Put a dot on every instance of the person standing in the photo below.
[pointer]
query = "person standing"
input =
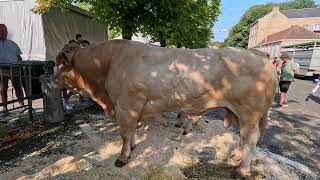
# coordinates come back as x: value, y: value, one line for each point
x: 288, y: 70
x: 9, y: 53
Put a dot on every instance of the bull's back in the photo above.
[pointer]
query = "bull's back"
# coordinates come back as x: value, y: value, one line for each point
x: 180, y: 77
x: 200, y: 70
x: 191, y: 78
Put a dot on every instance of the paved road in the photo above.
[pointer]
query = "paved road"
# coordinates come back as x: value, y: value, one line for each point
x: 294, y: 132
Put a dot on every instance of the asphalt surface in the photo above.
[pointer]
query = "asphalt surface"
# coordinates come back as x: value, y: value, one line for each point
x: 294, y: 131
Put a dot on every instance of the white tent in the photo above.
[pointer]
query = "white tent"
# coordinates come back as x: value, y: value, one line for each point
x: 40, y: 37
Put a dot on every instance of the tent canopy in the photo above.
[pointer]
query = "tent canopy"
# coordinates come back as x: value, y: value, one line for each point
x: 40, y: 37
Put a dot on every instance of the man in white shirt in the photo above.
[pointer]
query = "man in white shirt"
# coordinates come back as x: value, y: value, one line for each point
x: 9, y: 53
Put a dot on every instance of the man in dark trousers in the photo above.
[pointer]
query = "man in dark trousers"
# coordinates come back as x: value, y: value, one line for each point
x: 9, y: 53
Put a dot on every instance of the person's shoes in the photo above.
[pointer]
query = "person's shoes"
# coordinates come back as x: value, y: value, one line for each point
x: 285, y: 105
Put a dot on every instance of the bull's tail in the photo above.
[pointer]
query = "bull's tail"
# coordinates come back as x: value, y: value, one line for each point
x: 263, y: 123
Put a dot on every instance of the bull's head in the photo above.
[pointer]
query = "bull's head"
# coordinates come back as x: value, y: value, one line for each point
x: 65, y: 76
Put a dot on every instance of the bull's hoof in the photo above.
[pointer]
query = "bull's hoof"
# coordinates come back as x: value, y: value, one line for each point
x: 120, y: 163
x: 185, y: 133
x: 242, y: 173
x: 178, y: 125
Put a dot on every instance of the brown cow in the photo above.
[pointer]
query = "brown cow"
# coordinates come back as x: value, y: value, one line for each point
x: 131, y: 79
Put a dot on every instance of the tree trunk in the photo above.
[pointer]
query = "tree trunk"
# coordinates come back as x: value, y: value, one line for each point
x: 163, y: 42
x: 127, y: 33
x: 179, y: 45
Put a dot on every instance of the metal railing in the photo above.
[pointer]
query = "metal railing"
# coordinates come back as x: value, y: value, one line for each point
x: 29, y: 75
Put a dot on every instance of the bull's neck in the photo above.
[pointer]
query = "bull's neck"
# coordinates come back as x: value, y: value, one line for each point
x: 92, y: 74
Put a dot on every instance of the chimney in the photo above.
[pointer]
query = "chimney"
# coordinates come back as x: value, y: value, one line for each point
x: 276, y: 8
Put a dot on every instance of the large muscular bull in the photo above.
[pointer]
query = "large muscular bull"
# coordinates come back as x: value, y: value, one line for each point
x: 131, y: 79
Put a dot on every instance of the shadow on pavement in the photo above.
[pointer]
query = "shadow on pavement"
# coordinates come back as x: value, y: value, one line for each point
x: 313, y: 98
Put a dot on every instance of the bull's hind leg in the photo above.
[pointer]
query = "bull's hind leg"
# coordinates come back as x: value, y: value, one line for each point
x: 133, y: 140
x: 249, y: 134
x: 127, y: 116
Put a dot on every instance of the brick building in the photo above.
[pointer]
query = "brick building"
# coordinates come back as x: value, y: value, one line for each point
x: 278, y: 20
x: 295, y: 34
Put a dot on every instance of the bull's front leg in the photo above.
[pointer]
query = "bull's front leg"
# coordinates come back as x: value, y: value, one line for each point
x: 127, y: 116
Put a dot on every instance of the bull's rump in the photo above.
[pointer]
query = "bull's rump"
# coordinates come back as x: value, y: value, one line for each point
x: 194, y: 80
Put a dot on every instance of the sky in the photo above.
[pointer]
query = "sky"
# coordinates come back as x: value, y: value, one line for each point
x: 232, y: 10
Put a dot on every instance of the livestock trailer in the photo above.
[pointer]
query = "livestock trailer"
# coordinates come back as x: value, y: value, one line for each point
x: 307, y: 55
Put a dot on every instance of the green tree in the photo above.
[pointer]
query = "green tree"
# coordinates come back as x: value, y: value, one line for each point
x: 217, y: 44
x: 238, y: 35
x: 185, y: 23
x: 180, y: 23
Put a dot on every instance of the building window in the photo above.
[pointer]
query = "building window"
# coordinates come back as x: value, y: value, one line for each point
x: 317, y: 27
x: 307, y: 26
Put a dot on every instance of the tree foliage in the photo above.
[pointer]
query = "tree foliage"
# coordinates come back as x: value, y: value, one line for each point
x: 184, y: 23
x: 238, y: 35
x: 178, y: 23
